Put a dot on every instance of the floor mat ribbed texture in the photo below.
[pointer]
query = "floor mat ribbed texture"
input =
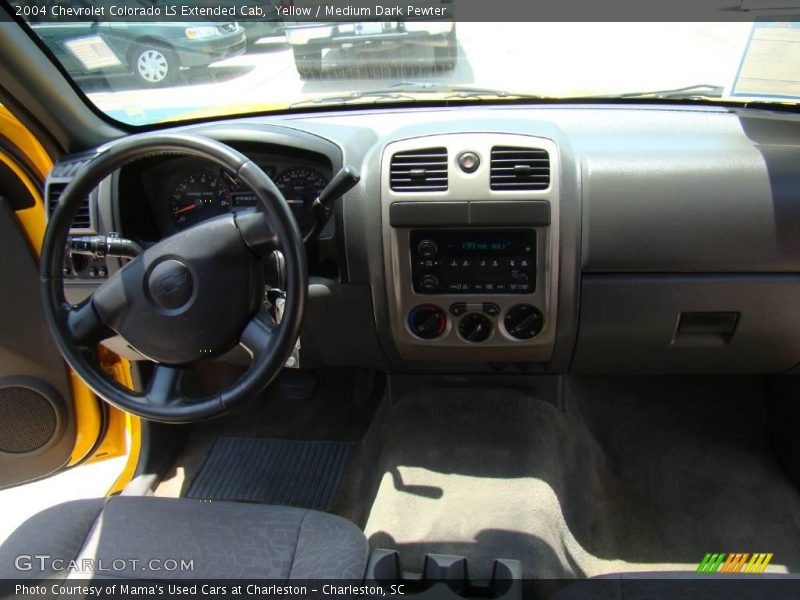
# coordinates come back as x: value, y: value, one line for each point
x: 305, y: 474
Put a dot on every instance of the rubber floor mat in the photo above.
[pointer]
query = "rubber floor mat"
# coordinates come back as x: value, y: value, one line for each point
x: 286, y: 472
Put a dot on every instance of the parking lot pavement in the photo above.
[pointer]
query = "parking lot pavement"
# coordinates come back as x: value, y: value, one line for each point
x: 559, y: 59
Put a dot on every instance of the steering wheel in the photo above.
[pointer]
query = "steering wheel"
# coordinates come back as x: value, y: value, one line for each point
x: 190, y: 297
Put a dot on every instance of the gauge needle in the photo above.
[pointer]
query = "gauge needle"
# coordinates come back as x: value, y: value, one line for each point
x: 185, y: 209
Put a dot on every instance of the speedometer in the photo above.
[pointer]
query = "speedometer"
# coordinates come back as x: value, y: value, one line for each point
x: 200, y: 195
x: 300, y: 186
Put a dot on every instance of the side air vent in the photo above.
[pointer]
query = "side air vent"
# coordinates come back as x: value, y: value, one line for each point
x: 419, y: 170
x: 519, y: 169
x: 83, y: 218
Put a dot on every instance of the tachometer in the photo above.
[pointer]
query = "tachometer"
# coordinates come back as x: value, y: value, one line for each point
x: 300, y: 185
x: 200, y: 195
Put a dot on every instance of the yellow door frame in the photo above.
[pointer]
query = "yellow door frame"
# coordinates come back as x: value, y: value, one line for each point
x: 123, y: 431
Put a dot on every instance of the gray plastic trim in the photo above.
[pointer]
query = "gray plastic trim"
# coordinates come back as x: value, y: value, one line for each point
x: 629, y: 324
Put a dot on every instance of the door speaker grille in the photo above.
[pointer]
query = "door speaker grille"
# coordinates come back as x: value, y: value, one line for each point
x: 28, y: 420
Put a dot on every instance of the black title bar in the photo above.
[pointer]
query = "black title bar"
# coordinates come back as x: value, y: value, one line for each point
x: 311, y: 11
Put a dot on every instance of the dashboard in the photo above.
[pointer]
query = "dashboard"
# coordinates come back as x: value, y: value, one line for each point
x: 182, y: 192
x: 588, y: 239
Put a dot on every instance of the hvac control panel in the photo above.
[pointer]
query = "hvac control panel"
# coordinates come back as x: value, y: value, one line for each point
x: 473, y: 261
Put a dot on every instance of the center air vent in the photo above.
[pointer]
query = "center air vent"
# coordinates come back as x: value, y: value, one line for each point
x: 419, y: 170
x: 519, y: 169
x: 83, y: 218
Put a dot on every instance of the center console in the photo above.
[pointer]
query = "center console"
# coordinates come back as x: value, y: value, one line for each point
x: 470, y: 230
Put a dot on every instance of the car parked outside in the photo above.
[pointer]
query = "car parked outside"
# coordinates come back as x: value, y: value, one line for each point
x: 309, y: 39
x: 154, y: 53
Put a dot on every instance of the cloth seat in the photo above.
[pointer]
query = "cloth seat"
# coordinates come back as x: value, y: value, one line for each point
x: 137, y: 537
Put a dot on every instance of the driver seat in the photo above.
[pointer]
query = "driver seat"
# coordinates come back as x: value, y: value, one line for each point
x: 135, y: 537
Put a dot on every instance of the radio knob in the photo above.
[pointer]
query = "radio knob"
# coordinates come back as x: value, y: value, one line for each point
x: 427, y: 249
x: 429, y: 282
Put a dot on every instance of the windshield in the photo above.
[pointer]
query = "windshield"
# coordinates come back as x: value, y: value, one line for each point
x: 147, y: 72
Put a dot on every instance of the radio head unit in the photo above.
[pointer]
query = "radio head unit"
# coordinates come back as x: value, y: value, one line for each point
x: 473, y: 261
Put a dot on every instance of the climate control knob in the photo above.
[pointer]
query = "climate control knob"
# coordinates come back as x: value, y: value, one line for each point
x: 475, y: 327
x: 427, y: 321
x: 523, y: 321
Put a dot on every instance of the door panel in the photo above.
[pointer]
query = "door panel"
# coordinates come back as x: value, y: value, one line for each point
x: 48, y: 417
x: 37, y: 425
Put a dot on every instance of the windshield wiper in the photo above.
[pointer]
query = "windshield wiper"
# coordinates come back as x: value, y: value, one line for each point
x: 456, y: 91
x: 699, y: 91
x: 406, y: 90
x: 354, y: 96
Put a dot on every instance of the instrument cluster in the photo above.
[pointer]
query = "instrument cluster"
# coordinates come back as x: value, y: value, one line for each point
x: 191, y: 191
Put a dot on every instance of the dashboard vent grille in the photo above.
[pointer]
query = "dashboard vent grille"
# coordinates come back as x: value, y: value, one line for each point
x: 419, y: 170
x: 519, y: 168
x: 83, y: 218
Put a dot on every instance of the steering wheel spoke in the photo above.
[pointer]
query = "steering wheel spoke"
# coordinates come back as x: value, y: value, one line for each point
x: 164, y: 385
x: 258, y: 333
x: 85, y: 325
x: 258, y: 235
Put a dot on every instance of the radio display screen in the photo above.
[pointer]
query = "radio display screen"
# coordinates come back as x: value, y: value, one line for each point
x: 487, y: 243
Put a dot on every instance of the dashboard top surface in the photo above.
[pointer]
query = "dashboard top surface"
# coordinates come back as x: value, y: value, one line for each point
x: 642, y: 190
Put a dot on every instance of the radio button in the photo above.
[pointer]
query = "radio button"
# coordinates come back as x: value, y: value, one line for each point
x: 459, y: 287
x: 426, y: 263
